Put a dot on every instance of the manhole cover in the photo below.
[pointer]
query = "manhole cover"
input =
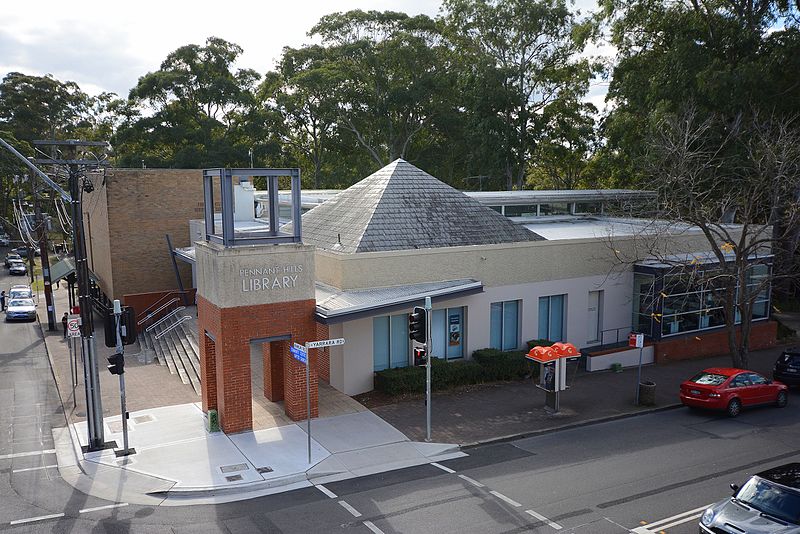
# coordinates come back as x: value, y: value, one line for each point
x: 233, y: 478
x: 263, y: 470
x: 233, y: 468
x: 147, y: 418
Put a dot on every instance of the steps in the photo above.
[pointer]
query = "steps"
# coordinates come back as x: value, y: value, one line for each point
x: 175, y: 346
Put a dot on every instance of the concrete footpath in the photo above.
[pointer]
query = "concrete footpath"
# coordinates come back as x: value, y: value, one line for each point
x: 179, y: 462
x: 494, y: 412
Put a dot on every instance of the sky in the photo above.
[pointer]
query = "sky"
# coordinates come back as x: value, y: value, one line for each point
x: 107, y: 46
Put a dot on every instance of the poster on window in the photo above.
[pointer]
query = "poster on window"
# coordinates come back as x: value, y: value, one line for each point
x: 455, y: 330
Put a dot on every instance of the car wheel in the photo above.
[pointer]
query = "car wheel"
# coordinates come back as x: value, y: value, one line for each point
x: 782, y: 400
x: 734, y: 407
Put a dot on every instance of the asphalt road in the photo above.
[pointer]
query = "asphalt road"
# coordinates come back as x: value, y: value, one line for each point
x: 644, y: 474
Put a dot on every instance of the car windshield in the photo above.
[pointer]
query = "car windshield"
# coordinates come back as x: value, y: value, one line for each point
x: 20, y: 302
x: 21, y: 293
x: 708, y: 379
x: 771, y: 499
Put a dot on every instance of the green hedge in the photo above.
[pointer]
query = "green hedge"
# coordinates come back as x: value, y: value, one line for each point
x: 487, y: 365
x: 539, y: 342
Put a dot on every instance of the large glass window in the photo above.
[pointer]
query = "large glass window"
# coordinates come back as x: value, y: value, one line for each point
x: 554, y: 208
x: 504, y: 325
x: 643, y: 302
x: 528, y: 210
x: 390, y: 342
x: 551, y: 317
x: 447, y: 333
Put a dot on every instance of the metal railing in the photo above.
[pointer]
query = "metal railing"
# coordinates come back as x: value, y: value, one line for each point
x: 183, y: 294
x: 154, y: 313
x: 172, y: 326
x: 167, y: 316
x: 613, y: 336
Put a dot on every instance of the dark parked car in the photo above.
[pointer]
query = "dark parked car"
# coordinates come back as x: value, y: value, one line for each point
x: 787, y: 368
x: 23, y: 251
x: 728, y: 389
x: 768, y: 503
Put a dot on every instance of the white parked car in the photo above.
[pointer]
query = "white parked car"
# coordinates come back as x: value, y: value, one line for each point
x: 17, y: 267
x: 21, y: 309
x: 20, y: 291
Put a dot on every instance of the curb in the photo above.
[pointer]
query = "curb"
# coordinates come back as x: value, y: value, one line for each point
x: 569, y: 426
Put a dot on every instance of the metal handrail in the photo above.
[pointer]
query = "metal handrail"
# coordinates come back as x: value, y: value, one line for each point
x: 173, y: 325
x: 157, y: 302
x: 167, y: 316
x: 156, y: 312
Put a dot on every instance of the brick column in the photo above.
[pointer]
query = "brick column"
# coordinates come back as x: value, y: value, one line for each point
x: 295, y: 388
x: 208, y: 372
x: 234, y: 388
x: 274, y: 354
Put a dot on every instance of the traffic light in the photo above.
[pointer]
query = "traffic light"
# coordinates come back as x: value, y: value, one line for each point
x: 420, y: 356
x: 127, y: 323
x: 117, y: 362
x: 416, y: 325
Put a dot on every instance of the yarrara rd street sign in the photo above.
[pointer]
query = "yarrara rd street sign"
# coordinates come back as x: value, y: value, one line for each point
x: 325, y: 343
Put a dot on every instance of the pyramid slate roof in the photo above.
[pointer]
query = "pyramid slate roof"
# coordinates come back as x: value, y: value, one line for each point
x: 402, y: 207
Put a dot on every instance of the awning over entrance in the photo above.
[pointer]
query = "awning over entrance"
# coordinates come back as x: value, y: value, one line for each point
x: 336, y: 306
x: 63, y: 268
x: 185, y: 253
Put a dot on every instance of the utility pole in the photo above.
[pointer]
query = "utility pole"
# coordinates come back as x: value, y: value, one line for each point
x: 76, y: 167
x: 41, y: 225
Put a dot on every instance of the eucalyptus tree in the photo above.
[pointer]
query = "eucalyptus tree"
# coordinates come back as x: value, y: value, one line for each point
x: 518, y: 57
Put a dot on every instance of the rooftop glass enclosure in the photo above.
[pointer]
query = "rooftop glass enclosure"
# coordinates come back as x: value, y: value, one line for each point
x: 671, y: 299
x: 219, y: 183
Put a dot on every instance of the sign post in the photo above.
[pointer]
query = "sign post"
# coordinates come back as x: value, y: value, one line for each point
x: 637, y: 340
x: 73, y: 331
x: 300, y: 353
x: 428, y: 350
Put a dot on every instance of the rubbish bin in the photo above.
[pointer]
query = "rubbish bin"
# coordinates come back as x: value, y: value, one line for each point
x: 647, y: 393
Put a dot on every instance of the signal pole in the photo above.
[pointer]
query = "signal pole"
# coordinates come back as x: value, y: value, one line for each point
x: 42, y: 230
x: 428, y: 351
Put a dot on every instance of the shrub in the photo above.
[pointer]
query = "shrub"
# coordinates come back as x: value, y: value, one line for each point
x: 539, y: 342
x: 500, y: 365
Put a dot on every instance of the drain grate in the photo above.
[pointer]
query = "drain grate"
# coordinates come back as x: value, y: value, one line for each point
x: 233, y: 468
x: 262, y: 470
x: 233, y: 478
x: 147, y: 418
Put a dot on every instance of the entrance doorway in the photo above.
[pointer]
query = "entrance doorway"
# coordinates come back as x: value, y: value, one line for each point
x: 594, y: 318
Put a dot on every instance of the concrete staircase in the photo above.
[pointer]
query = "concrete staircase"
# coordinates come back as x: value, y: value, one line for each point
x: 174, y: 345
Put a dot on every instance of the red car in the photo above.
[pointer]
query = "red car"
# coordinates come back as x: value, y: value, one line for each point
x: 723, y: 388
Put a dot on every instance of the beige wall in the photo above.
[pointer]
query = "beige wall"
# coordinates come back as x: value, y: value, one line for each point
x: 98, y: 245
x: 144, y: 205
x: 494, y: 265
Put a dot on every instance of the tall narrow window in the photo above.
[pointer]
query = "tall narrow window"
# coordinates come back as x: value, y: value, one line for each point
x: 504, y: 325
x: 447, y: 333
x: 390, y: 342
x: 551, y: 317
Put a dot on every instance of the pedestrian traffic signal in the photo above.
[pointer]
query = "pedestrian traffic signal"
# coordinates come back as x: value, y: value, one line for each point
x: 416, y: 325
x: 117, y: 362
x: 420, y: 356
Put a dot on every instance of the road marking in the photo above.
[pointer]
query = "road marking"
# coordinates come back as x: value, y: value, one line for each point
x: 33, y: 468
x: 671, y: 521
x: 370, y: 525
x: 442, y: 467
x: 542, y: 518
x: 502, y: 497
x: 106, y: 507
x: 32, y: 519
x: 350, y: 509
x: 21, y: 454
x: 471, y: 481
x: 326, y: 491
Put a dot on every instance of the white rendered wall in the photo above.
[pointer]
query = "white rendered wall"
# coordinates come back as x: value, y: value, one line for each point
x: 352, y: 363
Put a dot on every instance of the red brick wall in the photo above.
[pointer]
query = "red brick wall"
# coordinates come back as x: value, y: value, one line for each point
x: 274, y: 353
x: 233, y: 329
x: 324, y: 355
x: 762, y: 336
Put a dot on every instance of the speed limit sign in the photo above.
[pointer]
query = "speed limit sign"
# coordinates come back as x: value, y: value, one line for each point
x: 74, y: 326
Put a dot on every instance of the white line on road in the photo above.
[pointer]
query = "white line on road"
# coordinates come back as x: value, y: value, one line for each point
x: 471, y: 481
x: 350, y: 509
x: 671, y: 521
x: 326, y: 491
x: 502, y: 497
x: 32, y: 519
x: 21, y: 454
x: 33, y: 468
x: 370, y: 525
x: 106, y: 507
x: 542, y: 518
x: 442, y: 467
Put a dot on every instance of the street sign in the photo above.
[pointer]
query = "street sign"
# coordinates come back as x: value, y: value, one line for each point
x: 325, y: 343
x: 74, y: 326
x: 299, y: 354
